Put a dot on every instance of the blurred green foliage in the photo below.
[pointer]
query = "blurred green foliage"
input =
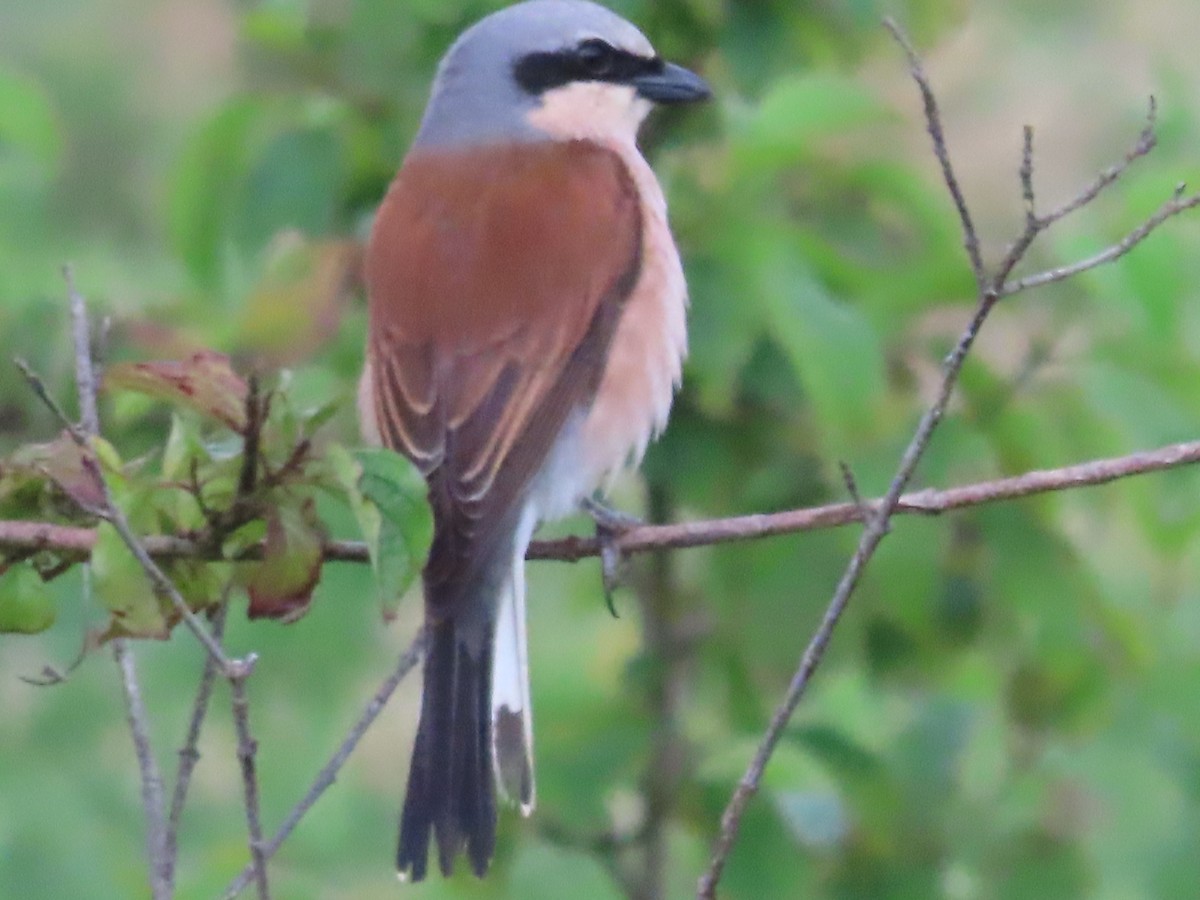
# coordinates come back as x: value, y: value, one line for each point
x: 1007, y: 710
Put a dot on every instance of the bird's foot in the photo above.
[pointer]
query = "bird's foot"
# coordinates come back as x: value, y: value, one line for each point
x: 610, y: 525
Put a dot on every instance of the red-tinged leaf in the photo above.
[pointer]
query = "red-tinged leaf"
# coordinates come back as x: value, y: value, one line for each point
x: 281, y: 585
x: 62, y: 461
x: 204, y: 382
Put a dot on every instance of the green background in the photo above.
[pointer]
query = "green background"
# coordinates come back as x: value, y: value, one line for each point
x: 1010, y: 709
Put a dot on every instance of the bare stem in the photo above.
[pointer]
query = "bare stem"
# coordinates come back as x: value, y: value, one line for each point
x: 151, y: 777
x: 1171, y: 208
x: 933, y: 122
x: 189, y: 755
x: 247, y: 748
x: 85, y: 369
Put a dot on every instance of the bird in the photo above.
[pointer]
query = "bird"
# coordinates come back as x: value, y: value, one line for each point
x: 526, y: 334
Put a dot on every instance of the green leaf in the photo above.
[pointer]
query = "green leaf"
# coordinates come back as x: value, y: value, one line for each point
x: 206, y: 186
x: 282, y: 584
x: 816, y: 818
x: 184, y: 446
x: 293, y: 185
x: 387, y: 496
x: 796, y: 113
x: 30, y: 137
x: 832, y: 346
x: 26, y: 606
x: 122, y: 586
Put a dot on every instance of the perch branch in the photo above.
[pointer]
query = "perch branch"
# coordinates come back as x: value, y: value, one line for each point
x: 76, y: 542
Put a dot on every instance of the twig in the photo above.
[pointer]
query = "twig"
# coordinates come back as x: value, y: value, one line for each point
x: 151, y: 777
x: 189, y: 755
x: 328, y: 774
x: 255, y: 414
x: 991, y: 288
x: 851, y: 484
x: 43, y: 393
x: 247, y: 748
x: 85, y: 370
x: 1173, y: 207
x: 933, y: 122
x: 1026, y: 175
x: 165, y: 587
x: 1146, y: 142
x: 76, y: 543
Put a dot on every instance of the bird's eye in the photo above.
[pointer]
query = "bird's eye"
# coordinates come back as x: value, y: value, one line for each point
x: 596, y: 57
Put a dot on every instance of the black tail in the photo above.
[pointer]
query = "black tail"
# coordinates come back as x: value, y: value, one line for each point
x: 451, y: 790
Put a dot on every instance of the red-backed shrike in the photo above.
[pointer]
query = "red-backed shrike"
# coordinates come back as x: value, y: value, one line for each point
x: 526, y: 336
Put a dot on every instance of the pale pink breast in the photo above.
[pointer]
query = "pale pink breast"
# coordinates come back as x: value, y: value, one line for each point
x: 646, y: 358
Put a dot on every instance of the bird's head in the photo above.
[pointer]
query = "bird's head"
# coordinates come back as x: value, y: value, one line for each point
x: 551, y: 69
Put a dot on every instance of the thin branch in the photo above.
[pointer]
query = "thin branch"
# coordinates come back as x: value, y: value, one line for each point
x: 165, y: 587
x: 937, y: 134
x: 1146, y: 142
x: 246, y: 751
x: 43, y: 393
x: 328, y: 774
x: 1173, y: 207
x: 85, y: 369
x: 151, y: 777
x: 1026, y: 175
x: 851, y: 484
x: 189, y: 755
x: 1035, y: 224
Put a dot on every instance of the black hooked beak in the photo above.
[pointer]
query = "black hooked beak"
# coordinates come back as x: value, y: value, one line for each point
x: 669, y: 83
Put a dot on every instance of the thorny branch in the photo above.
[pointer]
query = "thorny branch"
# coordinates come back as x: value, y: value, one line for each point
x: 991, y: 287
